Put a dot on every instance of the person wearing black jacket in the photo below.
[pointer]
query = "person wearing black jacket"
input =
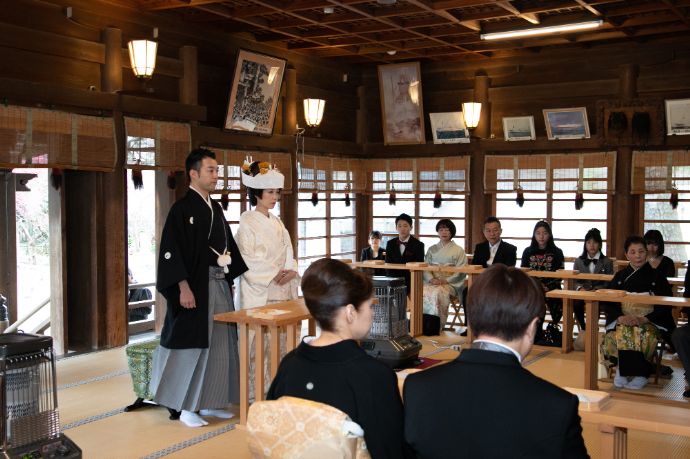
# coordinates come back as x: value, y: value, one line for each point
x: 494, y: 249
x: 404, y: 248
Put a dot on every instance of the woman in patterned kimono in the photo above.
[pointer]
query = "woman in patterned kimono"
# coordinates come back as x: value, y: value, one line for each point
x: 266, y: 248
x: 633, y: 329
x: 440, y: 286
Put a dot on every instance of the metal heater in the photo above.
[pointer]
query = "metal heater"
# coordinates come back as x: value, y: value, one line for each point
x: 30, y: 425
x: 389, y: 339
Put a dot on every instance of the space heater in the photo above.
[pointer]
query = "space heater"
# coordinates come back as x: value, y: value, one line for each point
x: 389, y: 340
x: 30, y: 425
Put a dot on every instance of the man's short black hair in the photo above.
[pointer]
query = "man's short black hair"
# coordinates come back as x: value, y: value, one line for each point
x: 405, y: 217
x: 195, y: 158
x: 491, y: 219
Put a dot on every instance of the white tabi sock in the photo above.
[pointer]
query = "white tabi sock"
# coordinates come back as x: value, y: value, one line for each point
x: 191, y: 419
x: 222, y: 414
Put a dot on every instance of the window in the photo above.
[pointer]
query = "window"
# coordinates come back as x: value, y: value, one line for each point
x: 415, y: 183
x: 658, y: 175
x: 550, y: 185
x: 326, y: 223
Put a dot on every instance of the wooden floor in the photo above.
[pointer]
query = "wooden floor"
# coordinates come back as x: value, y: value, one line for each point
x: 94, y: 388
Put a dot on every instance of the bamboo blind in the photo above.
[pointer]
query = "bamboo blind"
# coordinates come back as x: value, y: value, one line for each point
x: 32, y: 137
x: 157, y: 144
x: 556, y: 173
x: 660, y: 171
x: 319, y: 173
x: 418, y: 175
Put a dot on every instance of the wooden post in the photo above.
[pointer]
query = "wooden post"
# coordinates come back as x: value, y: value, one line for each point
x: 111, y: 70
x: 189, y: 83
x: 58, y: 270
x: 625, y: 205
x: 480, y: 203
x: 362, y: 118
x: 8, y: 242
x: 289, y: 202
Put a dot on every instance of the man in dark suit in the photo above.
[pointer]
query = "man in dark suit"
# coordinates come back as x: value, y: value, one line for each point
x: 501, y: 410
x: 494, y: 250
x: 403, y: 248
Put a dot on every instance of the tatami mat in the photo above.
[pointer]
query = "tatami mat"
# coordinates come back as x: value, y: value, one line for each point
x: 94, y: 389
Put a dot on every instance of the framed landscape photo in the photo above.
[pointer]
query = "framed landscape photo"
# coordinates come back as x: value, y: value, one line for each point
x: 678, y: 117
x: 566, y: 123
x: 518, y: 128
x: 449, y: 128
x: 401, y: 103
x: 254, y: 93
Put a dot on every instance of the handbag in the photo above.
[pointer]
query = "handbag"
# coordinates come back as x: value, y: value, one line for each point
x: 553, y: 336
x: 431, y: 325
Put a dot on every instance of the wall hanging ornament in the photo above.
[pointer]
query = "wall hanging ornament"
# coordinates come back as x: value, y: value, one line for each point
x: 674, y: 198
x: 579, y: 200
x: 137, y: 179
x: 56, y: 177
x: 347, y: 196
x: 391, y: 197
x: 438, y: 200
x: 224, y: 200
x: 519, y: 197
x: 315, y: 198
x: 172, y: 180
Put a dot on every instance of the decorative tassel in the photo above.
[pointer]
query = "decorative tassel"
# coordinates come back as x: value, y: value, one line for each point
x: 579, y: 201
x: 674, y: 199
x: 391, y: 198
x: 137, y: 179
x: 172, y: 180
x: 347, y: 199
x: 315, y: 198
x: 520, y: 198
x: 56, y: 178
x: 224, y: 201
x: 438, y: 200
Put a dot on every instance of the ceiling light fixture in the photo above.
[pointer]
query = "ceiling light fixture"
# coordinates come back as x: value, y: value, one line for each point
x: 471, y: 111
x: 391, y: 52
x: 542, y: 30
x: 313, y: 111
x: 328, y: 10
x: 142, y: 56
x: 386, y: 2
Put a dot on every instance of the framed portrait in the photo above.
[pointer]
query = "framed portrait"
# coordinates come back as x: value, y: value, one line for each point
x: 566, y: 123
x: 254, y: 93
x: 449, y: 128
x: 401, y: 103
x: 517, y: 128
x: 678, y: 117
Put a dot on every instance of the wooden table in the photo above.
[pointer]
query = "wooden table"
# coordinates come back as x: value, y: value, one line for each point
x: 592, y: 300
x: 617, y: 416
x: 262, y: 319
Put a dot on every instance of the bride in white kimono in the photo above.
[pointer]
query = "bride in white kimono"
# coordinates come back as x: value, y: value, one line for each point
x: 266, y: 248
x: 440, y: 286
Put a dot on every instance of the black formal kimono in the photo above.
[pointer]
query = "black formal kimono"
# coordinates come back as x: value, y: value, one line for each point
x: 368, y: 254
x: 185, y: 254
x: 414, y: 251
x: 506, y: 254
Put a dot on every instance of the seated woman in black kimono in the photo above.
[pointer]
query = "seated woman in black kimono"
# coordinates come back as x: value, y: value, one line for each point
x: 333, y: 369
x: 374, y: 252
x: 633, y: 329
x: 655, y: 253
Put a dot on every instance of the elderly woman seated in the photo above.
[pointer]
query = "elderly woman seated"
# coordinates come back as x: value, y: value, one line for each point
x: 440, y: 286
x: 333, y: 369
x: 633, y: 329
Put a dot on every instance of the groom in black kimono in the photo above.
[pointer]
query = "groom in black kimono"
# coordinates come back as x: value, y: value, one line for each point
x: 196, y: 367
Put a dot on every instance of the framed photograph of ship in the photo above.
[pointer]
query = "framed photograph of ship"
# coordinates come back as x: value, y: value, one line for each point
x: 518, y: 128
x: 449, y: 128
x: 401, y: 103
x: 678, y: 117
x: 254, y: 93
x: 566, y: 123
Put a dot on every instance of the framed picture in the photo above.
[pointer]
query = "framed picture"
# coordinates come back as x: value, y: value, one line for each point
x: 518, y: 128
x: 401, y: 103
x: 678, y: 117
x: 566, y: 123
x: 449, y: 128
x: 255, y: 93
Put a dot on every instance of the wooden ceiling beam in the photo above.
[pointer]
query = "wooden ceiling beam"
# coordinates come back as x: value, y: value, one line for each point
x: 529, y: 17
x: 677, y: 12
x: 159, y: 5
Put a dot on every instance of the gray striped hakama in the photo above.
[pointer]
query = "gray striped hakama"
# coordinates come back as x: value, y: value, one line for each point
x: 194, y: 379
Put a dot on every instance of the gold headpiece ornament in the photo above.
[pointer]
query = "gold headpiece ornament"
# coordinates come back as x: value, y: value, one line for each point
x: 268, y: 177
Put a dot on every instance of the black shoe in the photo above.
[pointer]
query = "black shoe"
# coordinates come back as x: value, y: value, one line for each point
x: 666, y: 371
x: 464, y: 333
x: 686, y: 393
